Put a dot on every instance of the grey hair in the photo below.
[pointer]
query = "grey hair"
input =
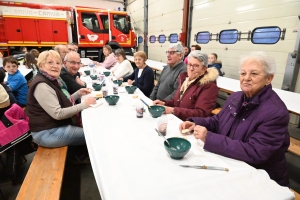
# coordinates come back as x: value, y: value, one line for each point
x: 202, y: 57
x: 268, y: 62
x: 178, y: 47
x: 71, y: 53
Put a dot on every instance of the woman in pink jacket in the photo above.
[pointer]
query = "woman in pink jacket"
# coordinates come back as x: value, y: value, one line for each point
x: 110, y: 59
x: 197, y: 91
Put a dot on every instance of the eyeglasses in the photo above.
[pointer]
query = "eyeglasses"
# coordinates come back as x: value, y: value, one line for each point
x: 194, y: 65
x: 71, y: 49
x: 73, y: 62
x: 51, y: 63
x: 171, y: 52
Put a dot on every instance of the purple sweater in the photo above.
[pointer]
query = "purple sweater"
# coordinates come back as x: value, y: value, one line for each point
x: 256, y: 133
x: 110, y: 61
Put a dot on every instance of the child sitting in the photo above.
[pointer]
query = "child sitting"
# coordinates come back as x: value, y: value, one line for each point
x: 16, y: 80
x: 213, y: 62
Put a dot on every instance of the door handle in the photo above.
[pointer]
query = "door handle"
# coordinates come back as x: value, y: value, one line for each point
x: 82, y: 36
x: 55, y: 32
x: 113, y: 37
x: 18, y: 30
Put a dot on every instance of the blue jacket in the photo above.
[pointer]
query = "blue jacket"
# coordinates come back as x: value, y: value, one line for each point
x: 254, y: 132
x: 19, y: 87
x: 146, y: 81
x: 218, y: 66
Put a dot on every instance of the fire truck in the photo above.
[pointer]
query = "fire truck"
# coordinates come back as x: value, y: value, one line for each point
x: 44, y: 26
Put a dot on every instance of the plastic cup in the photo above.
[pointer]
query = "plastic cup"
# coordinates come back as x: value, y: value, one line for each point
x: 115, y: 88
x: 104, y: 91
x: 139, y: 107
x: 162, y: 124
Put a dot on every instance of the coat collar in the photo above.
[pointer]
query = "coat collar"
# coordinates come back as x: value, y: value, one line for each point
x: 210, y: 75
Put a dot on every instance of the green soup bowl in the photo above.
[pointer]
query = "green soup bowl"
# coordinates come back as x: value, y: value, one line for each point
x: 112, y: 99
x: 93, y: 77
x: 97, y: 86
x: 156, y: 111
x: 106, y: 73
x: 119, y: 82
x: 87, y: 72
x: 179, y: 147
x: 130, y: 89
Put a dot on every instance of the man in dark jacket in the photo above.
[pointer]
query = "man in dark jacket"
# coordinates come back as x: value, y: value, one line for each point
x: 69, y: 72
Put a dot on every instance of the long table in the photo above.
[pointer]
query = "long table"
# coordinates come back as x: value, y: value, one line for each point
x: 129, y: 160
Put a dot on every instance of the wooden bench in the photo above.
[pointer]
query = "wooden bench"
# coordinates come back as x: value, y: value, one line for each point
x: 44, y: 177
x: 297, y: 195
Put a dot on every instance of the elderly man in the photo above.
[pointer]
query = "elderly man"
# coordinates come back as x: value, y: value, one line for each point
x: 69, y: 72
x: 70, y: 47
x: 62, y: 50
x: 167, y: 82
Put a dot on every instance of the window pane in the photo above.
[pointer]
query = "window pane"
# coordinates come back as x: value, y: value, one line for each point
x: 173, y: 38
x: 266, y: 35
x: 90, y: 21
x: 121, y: 23
x: 202, y: 37
x: 140, y: 39
x: 152, y: 39
x: 161, y: 38
x: 228, y: 36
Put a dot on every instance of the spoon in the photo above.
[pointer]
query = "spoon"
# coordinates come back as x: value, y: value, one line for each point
x: 159, y: 133
x: 145, y: 103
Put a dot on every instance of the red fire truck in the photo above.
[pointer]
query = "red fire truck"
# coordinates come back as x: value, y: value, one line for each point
x: 44, y: 26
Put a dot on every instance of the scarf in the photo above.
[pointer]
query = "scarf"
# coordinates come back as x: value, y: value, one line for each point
x: 76, y: 120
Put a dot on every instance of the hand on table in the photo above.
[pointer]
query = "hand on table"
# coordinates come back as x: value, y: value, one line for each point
x: 79, y: 81
x: 158, y: 102
x: 130, y: 82
x: 169, y: 110
x: 200, y: 132
x: 187, y: 125
x: 89, y: 101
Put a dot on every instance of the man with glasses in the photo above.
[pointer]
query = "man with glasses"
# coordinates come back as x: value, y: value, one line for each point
x: 69, y: 72
x: 70, y: 48
x: 62, y: 50
x: 167, y: 82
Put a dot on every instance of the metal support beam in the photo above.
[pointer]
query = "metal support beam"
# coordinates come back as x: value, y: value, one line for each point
x: 188, y: 35
x: 185, y: 21
x: 146, y: 27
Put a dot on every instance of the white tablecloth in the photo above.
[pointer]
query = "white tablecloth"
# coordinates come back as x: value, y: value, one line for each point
x: 129, y: 161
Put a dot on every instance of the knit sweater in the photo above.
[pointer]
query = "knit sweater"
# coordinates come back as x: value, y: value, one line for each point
x: 167, y: 83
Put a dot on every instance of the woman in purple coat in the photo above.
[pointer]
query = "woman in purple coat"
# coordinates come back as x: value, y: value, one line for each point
x: 253, y: 124
x: 197, y: 90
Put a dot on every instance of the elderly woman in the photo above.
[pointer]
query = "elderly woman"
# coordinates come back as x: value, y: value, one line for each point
x: 110, y: 59
x: 54, y: 119
x: 253, y: 124
x: 142, y: 76
x: 123, y: 67
x: 197, y: 90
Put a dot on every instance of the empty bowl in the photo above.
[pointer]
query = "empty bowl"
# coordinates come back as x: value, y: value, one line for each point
x: 112, y: 99
x: 119, y: 82
x: 93, y: 77
x: 156, y: 111
x: 87, y: 72
x: 97, y: 86
x: 130, y: 89
x: 179, y: 147
x: 106, y: 73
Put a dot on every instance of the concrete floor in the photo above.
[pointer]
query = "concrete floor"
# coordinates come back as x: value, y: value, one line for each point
x: 79, y: 182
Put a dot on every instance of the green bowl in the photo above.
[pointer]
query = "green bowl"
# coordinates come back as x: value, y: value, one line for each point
x: 93, y: 77
x: 87, y: 72
x: 119, y: 82
x: 179, y: 147
x: 156, y: 111
x: 131, y: 89
x: 97, y: 86
x: 112, y: 99
x: 106, y: 73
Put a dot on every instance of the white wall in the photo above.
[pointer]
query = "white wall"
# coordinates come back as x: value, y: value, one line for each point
x: 88, y: 3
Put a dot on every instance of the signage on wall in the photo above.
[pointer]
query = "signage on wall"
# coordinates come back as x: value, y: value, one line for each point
x: 28, y: 12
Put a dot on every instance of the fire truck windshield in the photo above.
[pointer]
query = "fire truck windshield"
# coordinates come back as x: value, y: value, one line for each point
x: 121, y: 23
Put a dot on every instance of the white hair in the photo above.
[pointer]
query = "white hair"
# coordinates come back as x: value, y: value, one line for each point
x: 178, y: 47
x: 268, y: 62
x: 202, y: 57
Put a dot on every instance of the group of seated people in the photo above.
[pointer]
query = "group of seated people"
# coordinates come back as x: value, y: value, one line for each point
x: 251, y: 127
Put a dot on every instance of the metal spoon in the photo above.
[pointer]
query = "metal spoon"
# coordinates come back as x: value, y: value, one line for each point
x: 159, y: 133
